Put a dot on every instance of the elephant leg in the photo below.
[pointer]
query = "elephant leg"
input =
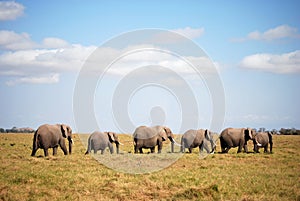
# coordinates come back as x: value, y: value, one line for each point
x: 182, y: 148
x: 159, y: 147
x: 141, y: 150
x: 152, y: 149
x: 45, y: 152
x: 224, y: 146
x: 266, y: 149
x: 33, y: 151
x: 240, y: 148
x: 54, y: 151
x: 190, y: 150
x: 111, y: 148
x: 95, y: 151
x: 135, y: 149
x: 255, y: 148
x: 64, y: 148
x: 102, y: 151
x: 225, y: 149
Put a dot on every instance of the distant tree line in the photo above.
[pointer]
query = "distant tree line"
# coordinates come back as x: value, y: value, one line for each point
x: 282, y: 131
x: 17, y: 130
x: 289, y: 131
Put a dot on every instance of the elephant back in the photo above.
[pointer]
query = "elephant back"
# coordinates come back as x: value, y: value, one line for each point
x: 98, y: 135
x: 144, y: 132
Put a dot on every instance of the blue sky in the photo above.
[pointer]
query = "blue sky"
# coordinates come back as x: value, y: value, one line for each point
x: 254, y: 44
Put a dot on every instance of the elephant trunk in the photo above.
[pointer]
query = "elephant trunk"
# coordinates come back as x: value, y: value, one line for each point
x: 117, y: 146
x: 213, y: 146
x: 70, y: 144
x: 172, y: 144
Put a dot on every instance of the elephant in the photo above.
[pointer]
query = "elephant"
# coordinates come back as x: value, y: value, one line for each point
x: 100, y: 141
x: 235, y: 137
x: 51, y: 136
x: 149, y: 137
x: 262, y: 139
x: 197, y: 138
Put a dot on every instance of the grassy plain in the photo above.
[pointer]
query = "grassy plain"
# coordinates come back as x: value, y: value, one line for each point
x: 216, y: 177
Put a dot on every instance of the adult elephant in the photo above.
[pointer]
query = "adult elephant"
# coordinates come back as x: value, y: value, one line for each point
x: 100, y: 141
x: 197, y: 138
x: 263, y: 139
x: 235, y: 137
x: 51, y: 136
x: 149, y: 137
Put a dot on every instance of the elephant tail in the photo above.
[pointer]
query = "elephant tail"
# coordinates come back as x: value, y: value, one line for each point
x: 89, y: 146
x: 270, y: 141
x: 35, y: 143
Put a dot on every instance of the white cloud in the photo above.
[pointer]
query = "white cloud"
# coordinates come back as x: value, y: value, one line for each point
x: 44, y: 60
x: 190, y: 32
x: 10, y: 40
x: 54, y: 43
x: 10, y: 10
x: 46, y: 79
x: 279, y: 32
x: 184, y: 66
x: 26, y: 61
x: 282, y: 64
x: 283, y: 31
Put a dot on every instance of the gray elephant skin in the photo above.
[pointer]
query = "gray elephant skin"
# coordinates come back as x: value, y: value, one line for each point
x: 100, y: 141
x: 235, y: 137
x: 197, y: 138
x: 263, y: 139
x: 51, y: 136
x: 149, y: 137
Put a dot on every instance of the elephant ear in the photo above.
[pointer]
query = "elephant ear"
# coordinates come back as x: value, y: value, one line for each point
x: 69, y: 129
x: 168, y: 132
x: 111, y: 136
x: 163, y: 134
x: 248, y: 133
x: 63, y: 129
x: 207, y: 134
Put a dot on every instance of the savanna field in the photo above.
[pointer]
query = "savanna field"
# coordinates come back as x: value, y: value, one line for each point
x: 216, y: 177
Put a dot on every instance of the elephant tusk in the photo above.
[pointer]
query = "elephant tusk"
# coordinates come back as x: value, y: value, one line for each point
x: 173, y: 141
x: 121, y: 143
x: 179, y: 145
x: 72, y: 141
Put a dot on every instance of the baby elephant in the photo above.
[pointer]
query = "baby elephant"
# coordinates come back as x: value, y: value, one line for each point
x: 262, y: 139
x: 100, y: 141
x: 197, y: 138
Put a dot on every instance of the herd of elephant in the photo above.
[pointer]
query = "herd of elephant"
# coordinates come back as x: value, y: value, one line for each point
x: 51, y: 136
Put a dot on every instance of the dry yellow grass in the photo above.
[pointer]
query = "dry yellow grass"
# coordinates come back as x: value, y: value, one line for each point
x: 216, y: 177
